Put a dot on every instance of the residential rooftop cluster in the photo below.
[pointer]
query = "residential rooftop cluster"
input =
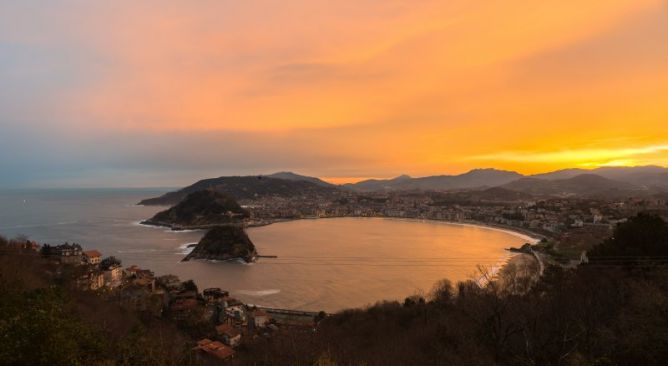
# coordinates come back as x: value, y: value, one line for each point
x: 218, y: 322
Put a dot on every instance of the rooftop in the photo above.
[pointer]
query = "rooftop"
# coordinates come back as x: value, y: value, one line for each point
x: 92, y: 253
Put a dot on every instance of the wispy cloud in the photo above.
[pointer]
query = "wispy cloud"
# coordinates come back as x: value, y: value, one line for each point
x: 333, y: 88
x: 580, y: 157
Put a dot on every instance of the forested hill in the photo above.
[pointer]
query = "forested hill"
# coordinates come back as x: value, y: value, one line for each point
x: 201, y: 209
x: 244, y: 188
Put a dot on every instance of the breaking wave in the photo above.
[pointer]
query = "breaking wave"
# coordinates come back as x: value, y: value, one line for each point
x: 184, y: 249
x: 258, y: 293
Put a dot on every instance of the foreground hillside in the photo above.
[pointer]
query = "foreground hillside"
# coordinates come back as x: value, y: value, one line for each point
x: 45, y: 320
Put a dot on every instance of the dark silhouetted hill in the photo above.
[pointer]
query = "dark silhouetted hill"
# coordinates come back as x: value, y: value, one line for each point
x: 475, y: 179
x: 240, y: 188
x: 651, y: 177
x: 224, y: 243
x: 297, y: 177
x: 644, y: 237
x: 201, y: 209
x: 583, y: 185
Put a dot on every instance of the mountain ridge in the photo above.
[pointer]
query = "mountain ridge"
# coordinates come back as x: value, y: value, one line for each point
x: 476, y: 178
x: 582, y: 185
x: 615, y: 180
x: 242, y: 187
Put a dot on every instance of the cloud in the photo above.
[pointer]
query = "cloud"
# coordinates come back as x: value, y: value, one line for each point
x: 341, y: 89
x: 581, y: 157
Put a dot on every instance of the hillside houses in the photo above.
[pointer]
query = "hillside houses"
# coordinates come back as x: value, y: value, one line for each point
x: 92, y: 279
x: 92, y: 257
x: 113, y: 274
x: 230, y: 335
x: 214, y: 349
x: 65, y: 253
x: 221, y: 322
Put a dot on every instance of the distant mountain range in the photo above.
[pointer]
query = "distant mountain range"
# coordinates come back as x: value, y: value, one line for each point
x: 583, y: 185
x: 600, y: 182
x: 643, y: 177
x: 477, y: 178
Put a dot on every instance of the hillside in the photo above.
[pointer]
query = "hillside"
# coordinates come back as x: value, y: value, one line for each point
x: 201, y: 209
x: 477, y: 178
x: 653, y: 177
x: 297, y: 177
x: 370, y: 185
x: 583, y: 185
x: 244, y: 188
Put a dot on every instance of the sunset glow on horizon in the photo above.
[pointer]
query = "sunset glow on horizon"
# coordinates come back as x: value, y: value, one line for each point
x: 154, y: 94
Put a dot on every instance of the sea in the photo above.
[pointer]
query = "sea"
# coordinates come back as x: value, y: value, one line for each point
x: 322, y: 264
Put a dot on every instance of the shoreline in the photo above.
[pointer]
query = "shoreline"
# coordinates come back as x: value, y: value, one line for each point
x: 528, y: 235
x: 498, y: 269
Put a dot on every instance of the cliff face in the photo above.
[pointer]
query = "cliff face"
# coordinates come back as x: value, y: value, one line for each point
x: 223, y: 243
x: 201, y: 209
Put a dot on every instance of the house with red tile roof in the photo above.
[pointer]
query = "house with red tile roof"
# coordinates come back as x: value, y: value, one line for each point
x: 229, y: 334
x: 92, y: 257
x: 214, y: 349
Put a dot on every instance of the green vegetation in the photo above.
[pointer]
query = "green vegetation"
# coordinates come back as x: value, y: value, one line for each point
x: 44, y: 320
x: 37, y: 330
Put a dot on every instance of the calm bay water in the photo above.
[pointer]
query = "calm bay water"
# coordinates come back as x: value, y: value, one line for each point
x: 326, y: 264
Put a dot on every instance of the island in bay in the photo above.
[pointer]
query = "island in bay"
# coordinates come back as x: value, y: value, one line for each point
x: 221, y: 215
x: 224, y: 243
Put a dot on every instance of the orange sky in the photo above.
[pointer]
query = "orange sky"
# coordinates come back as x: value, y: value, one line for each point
x: 377, y: 88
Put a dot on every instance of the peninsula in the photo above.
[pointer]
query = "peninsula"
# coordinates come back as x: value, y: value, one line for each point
x: 200, y: 210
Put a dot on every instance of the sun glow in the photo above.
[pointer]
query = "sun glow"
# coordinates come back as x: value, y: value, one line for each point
x: 352, y: 89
